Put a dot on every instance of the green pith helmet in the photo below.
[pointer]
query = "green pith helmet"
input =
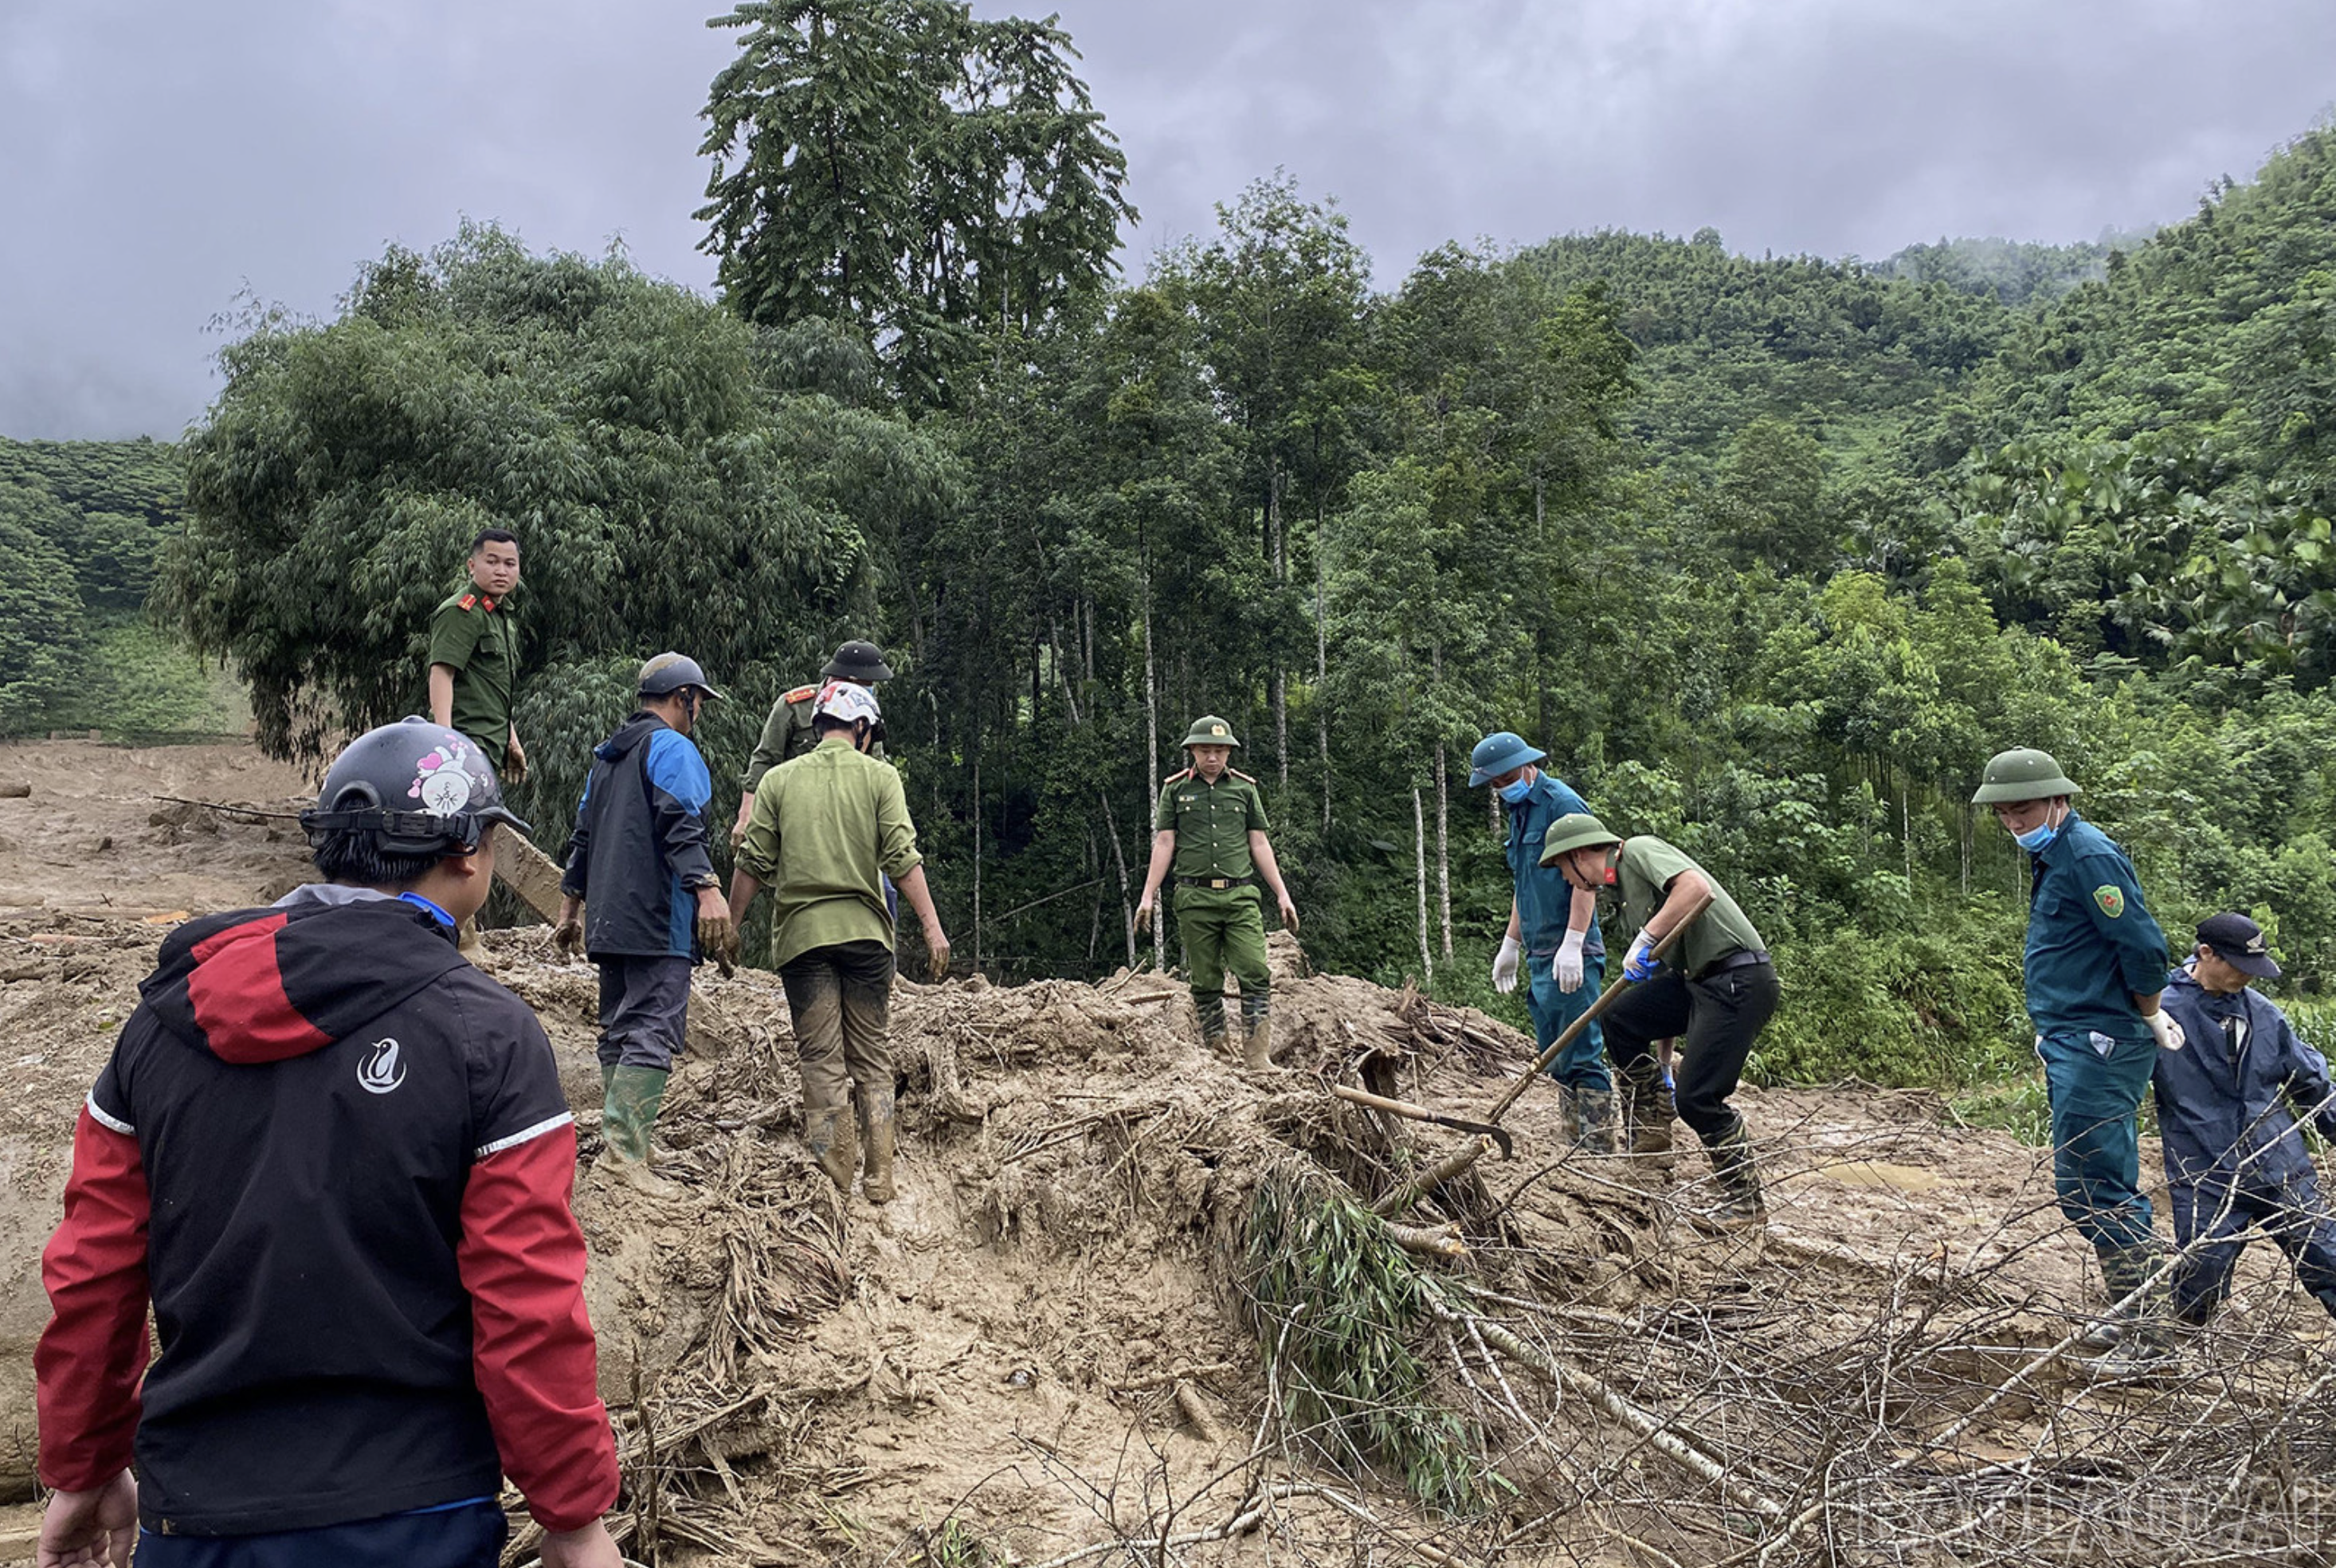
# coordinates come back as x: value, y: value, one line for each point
x: 1574, y: 831
x: 1209, y: 730
x: 2021, y: 775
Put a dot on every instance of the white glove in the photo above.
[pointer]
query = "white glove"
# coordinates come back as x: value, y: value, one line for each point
x: 2169, y: 1033
x: 1505, y: 966
x: 1569, y: 961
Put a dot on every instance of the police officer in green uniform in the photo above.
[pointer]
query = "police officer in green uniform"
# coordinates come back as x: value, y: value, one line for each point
x: 474, y: 654
x: 2094, y: 966
x: 787, y: 733
x: 1211, y: 826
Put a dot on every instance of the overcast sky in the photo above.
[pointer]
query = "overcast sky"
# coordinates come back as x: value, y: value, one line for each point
x: 157, y: 158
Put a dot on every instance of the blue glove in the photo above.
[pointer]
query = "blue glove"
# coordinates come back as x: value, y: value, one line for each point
x: 1640, y: 963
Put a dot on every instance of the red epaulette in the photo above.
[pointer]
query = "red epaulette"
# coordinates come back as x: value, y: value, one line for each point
x: 469, y: 602
x: 1175, y: 777
x: 801, y: 694
x: 1240, y: 775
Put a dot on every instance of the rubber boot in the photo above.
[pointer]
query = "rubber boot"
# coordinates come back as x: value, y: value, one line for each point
x: 832, y: 1135
x: 1651, y: 1111
x: 1595, y: 1135
x: 1256, y: 1048
x: 1568, y: 1117
x: 1213, y: 1042
x: 1738, y: 1175
x: 629, y: 1115
x: 2148, y: 1338
x: 878, y: 1126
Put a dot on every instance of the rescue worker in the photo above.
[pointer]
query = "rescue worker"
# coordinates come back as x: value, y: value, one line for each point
x: 2095, y: 968
x: 1210, y: 828
x: 1716, y: 992
x: 474, y: 654
x: 2235, y: 1156
x: 337, y: 1160
x: 1553, y: 933
x: 641, y: 898
x: 789, y: 731
x: 826, y: 831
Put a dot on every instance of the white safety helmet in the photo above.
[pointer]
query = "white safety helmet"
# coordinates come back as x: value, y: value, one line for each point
x: 847, y: 704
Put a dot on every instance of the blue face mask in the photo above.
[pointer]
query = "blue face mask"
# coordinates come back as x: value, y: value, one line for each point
x: 1515, y: 794
x: 2037, y: 837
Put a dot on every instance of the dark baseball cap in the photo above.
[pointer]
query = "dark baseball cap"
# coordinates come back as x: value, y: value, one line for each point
x: 2239, y: 942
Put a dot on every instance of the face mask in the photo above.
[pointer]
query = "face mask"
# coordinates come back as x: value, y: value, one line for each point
x: 1515, y: 794
x: 2037, y: 837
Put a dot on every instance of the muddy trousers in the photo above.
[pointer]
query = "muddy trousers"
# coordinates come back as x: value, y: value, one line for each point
x: 841, y: 996
x: 1223, y: 930
x: 1581, y: 1065
x: 2095, y: 1084
x: 644, y: 1010
x: 2211, y: 1222
x: 1717, y: 1018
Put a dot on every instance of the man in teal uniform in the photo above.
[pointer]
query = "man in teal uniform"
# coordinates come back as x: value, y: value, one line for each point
x: 474, y: 654
x: 1211, y: 828
x: 2095, y: 966
x: 1553, y: 933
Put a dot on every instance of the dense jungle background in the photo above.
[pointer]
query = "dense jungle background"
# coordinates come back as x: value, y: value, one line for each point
x: 1770, y: 553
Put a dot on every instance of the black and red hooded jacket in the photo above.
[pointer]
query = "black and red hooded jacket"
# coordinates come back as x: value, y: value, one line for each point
x: 337, y: 1159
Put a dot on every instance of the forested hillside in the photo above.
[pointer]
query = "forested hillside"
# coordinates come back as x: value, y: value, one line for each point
x: 1769, y: 554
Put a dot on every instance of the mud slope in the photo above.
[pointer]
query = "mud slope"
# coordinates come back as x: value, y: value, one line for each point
x: 1048, y: 1348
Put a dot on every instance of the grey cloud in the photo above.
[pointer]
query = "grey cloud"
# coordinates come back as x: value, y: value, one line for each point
x: 155, y: 159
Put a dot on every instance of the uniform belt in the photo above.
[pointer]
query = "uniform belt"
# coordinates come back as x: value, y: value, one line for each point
x: 1742, y: 958
x: 1219, y: 882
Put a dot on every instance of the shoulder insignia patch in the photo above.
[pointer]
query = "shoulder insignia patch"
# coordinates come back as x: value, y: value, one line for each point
x: 468, y: 601
x: 2111, y: 898
x: 1178, y: 776
x: 801, y: 694
x: 1240, y: 775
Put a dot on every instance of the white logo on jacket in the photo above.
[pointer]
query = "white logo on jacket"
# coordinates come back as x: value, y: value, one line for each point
x: 382, y: 1069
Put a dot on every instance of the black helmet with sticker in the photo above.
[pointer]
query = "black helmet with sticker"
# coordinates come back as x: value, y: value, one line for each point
x: 419, y: 788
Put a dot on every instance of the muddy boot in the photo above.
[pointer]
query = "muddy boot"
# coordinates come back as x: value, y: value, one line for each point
x: 1257, y: 1049
x: 878, y: 1126
x: 1213, y: 1042
x: 2147, y: 1346
x: 628, y: 1115
x: 1595, y: 1133
x: 1651, y: 1113
x: 1733, y: 1167
x: 1568, y: 1117
x: 833, y: 1137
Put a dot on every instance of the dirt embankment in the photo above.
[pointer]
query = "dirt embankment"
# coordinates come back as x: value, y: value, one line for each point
x: 1053, y: 1346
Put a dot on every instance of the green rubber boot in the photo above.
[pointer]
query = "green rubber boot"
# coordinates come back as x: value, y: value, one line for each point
x: 627, y: 1116
x: 1594, y: 1123
x: 1732, y: 1165
x: 2148, y: 1338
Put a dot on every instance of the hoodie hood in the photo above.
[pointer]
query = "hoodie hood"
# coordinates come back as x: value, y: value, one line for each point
x: 631, y: 735
x: 265, y: 985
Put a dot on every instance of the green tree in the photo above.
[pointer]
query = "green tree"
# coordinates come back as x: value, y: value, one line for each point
x: 903, y: 166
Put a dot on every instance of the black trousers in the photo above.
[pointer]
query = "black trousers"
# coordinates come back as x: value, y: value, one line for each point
x: 1718, y: 1019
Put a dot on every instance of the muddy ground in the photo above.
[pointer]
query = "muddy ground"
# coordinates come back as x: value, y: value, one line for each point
x: 1044, y: 1345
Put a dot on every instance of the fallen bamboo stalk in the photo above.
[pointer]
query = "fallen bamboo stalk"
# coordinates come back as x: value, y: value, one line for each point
x: 1451, y: 1166
x: 1427, y: 1241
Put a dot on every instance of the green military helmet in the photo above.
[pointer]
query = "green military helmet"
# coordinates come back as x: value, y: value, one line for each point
x: 1575, y: 830
x: 2022, y: 774
x: 1209, y: 730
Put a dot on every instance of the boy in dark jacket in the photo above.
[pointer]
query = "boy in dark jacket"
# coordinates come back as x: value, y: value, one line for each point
x: 2235, y: 1156
x: 641, y: 897
x: 337, y: 1160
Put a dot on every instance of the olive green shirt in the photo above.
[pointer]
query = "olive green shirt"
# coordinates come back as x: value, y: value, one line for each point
x: 826, y: 829
x: 787, y: 735
x: 1644, y: 874
x: 1211, y: 822
x: 479, y: 638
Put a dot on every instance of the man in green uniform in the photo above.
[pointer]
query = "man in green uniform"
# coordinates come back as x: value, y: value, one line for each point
x: 1211, y: 824
x: 1716, y: 991
x: 474, y: 654
x: 788, y: 732
x: 826, y: 831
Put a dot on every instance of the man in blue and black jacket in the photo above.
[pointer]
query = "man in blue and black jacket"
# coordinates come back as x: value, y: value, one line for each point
x: 641, y: 896
x: 2235, y: 1156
